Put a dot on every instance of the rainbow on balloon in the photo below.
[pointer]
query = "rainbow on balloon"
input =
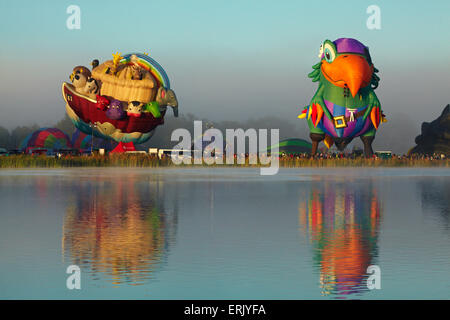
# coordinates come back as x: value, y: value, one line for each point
x: 150, y: 65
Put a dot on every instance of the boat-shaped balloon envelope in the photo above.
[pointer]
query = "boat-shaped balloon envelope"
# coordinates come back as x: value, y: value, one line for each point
x: 123, y: 99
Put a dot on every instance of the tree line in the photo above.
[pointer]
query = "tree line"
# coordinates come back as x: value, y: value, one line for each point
x: 12, y: 139
x: 396, y: 135
x: 162, y: 137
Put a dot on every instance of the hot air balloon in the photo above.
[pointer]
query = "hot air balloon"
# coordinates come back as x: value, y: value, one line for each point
x: 48, y: 139
x: 123, y: 99
x: 82, y: 142
x: 345, y: 105
x: 292, y: 146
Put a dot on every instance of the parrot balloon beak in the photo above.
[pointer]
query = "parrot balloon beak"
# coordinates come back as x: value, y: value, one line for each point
x: 348, y: 70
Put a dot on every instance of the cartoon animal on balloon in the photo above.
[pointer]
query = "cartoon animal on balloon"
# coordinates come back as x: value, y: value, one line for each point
x: 134, y: 109
x: 115, y: 110
x: 79, y: 78
x: 345, y: 105
x: 91, y: 88
x: 167, y: 97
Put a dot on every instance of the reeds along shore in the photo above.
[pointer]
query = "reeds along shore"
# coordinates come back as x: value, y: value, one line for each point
x: 136, y: 161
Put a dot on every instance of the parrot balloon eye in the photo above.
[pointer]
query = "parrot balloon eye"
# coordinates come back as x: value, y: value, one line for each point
x: 329, y: 52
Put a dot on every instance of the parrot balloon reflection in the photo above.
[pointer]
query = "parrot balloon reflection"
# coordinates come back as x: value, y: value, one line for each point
x: 345, y: 105
x: 342, y: 225
x: 123, y: 99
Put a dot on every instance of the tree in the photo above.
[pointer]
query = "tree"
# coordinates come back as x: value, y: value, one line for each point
x: 20, y: 133
x: 65, y: 125
x: 4, y: 138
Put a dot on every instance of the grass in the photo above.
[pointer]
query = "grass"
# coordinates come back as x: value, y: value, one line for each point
x: 135, y: 161
x: 363, y: 162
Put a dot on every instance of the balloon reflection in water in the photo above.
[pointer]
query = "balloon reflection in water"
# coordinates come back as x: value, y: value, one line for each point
x: 118, y: 229
x: 341, y: 220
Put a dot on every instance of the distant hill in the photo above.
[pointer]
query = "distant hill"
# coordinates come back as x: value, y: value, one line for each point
x: 435, y: 136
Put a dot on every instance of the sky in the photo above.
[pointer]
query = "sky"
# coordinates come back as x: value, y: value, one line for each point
x: 226, y: 60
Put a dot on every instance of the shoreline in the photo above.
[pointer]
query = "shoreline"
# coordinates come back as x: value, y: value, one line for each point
x: 135, y: 161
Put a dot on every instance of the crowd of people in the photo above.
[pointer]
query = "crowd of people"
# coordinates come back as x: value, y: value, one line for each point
x: 354, y: 155
x: 341, y: 155
x: 287, y: 156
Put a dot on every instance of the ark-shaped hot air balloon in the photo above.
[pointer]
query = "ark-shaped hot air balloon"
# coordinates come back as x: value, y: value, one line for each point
x: 123, y: 99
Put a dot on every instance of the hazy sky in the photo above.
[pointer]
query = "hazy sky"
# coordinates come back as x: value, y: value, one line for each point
x: 225, y: 59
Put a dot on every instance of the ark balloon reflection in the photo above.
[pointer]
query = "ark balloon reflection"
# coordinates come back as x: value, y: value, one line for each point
x: 119, y: 231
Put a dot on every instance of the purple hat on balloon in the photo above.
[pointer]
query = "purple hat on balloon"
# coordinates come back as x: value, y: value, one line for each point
x: 349, y: 45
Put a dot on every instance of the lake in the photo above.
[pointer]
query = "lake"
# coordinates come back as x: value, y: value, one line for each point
x: 225, y: 233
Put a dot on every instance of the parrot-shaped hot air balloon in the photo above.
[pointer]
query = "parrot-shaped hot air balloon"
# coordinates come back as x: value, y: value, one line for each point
x: 345, y: 105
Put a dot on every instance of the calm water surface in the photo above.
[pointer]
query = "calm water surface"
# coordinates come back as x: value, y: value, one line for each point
x: 225, y: 233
